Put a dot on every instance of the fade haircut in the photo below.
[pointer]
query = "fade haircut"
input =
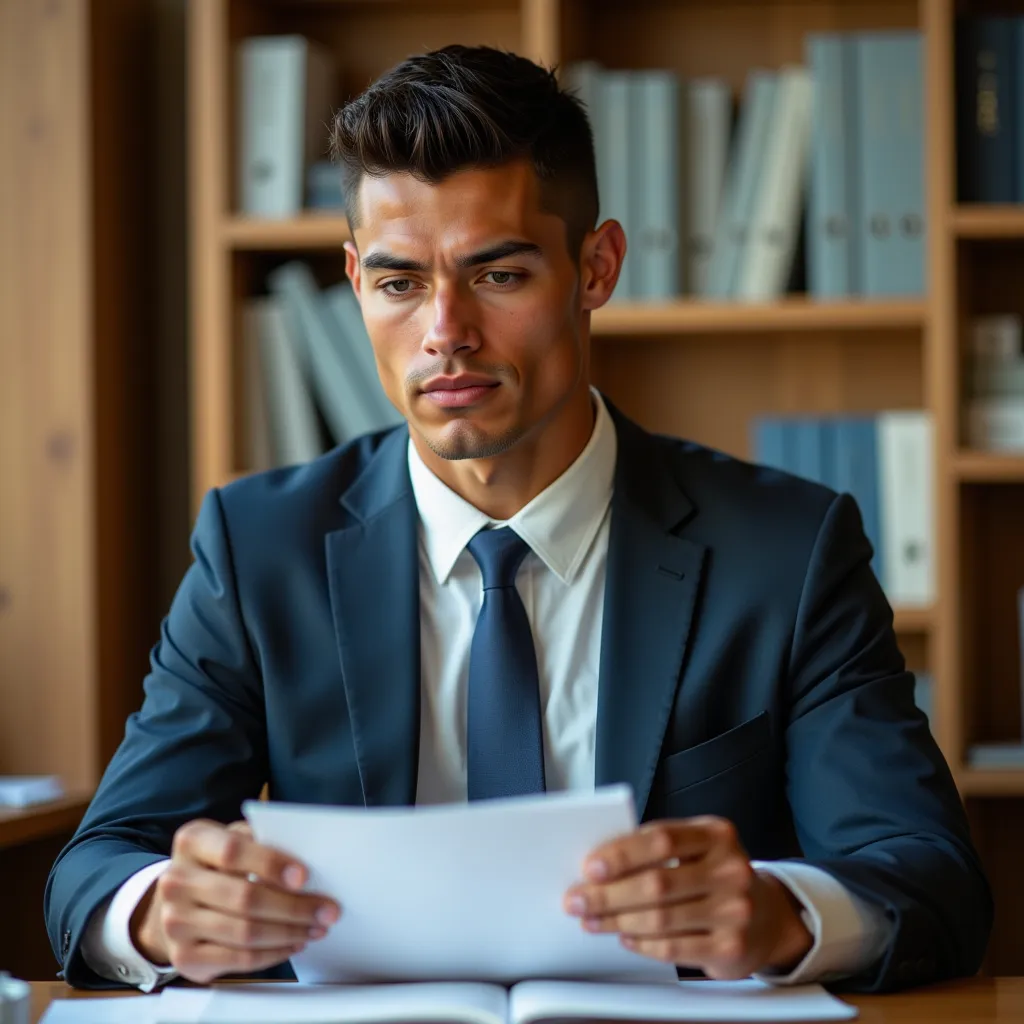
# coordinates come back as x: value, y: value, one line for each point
x: 465, y: 107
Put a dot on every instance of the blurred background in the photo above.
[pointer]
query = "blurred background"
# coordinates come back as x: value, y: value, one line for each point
x: 824, y: 201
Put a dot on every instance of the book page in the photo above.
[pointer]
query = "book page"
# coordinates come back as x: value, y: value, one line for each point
x: 422, y: 1003
x: 746, y: 1000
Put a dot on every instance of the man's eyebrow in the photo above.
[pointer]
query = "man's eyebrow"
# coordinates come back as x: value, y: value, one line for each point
x: 501, y: 251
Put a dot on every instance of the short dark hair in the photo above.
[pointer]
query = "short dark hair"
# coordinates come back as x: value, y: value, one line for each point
x: 467, y: 107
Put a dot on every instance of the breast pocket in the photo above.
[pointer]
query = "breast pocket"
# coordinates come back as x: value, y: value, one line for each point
x: 716, y: 756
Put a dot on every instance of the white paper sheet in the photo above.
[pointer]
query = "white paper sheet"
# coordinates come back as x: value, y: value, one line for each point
x: 444, y: 1002
x: 479, y: 1003
x: 462, y: 892
x: 125, y: 1010
x: 748, y: 1000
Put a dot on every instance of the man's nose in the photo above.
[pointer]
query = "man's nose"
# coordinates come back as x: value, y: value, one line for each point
x: 452, y: 326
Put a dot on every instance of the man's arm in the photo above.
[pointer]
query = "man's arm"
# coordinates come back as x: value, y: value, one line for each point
x: 873, y: 800
x: 196, y: 749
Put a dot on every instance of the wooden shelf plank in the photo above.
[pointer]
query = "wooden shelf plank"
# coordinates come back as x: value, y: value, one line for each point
x: 790, y: 314
x: 988, y: 221
x: 23, y: 825
x: 310, y: 231
x: 988, y: 467
x: 913, y: 619
x: 991, y: 781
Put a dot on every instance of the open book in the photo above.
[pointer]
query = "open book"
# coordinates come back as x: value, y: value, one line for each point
x: 482, y: 1003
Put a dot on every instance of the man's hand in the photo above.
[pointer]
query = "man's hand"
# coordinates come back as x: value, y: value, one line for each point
x: 685, y: 892
x: 226, y: 905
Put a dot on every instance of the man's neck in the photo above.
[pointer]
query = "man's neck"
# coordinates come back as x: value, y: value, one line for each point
x: 501, y: 486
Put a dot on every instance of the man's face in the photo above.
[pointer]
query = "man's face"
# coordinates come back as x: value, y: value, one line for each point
x: 471, y: 299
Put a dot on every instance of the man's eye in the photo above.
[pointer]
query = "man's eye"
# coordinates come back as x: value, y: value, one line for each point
x: 401, y: 286
x: 502, y: 277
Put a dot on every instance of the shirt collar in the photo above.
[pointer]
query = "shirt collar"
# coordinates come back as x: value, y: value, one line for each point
x: 559, y: 524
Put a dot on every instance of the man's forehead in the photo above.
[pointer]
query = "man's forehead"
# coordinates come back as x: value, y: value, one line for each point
x: 507, y: 192
x: 468, y: 209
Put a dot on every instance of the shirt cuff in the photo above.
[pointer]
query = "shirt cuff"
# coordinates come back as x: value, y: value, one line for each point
x: 849, y: 933
x: 107, y: 946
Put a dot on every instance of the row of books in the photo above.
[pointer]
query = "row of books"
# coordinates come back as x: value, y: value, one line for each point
x: 716, y: 211
x: 885, y: 463
x: 309, y: 372
x: 712, y: 204
x: 990, y: 109
x: 995, y: 384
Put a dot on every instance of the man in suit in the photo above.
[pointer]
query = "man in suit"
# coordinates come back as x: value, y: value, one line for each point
x: 518, y: 590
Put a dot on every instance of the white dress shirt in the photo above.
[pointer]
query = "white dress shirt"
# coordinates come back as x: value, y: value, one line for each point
x: 561, y: 582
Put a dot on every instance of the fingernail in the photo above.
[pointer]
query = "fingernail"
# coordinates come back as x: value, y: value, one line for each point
x: 597, y: 870
x: 576, y: 904
x: 592, y: 924
x: 293, y: 876
x: 317, y: 933
x: 327, y: 916
x: 628, y: 942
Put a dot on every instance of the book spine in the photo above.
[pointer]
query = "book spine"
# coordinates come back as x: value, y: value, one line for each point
x: 656, y: 247
x: 775, y: 214
x: 705, y: 156
x: 618, y: 132
x: 985, y: 55
x: 769, y: 443
x: 857, y: 475
x: 745, y: 159
x: 272, y: 75
x: 807, y: 438
x: 891, y: 179
x: 293, y: 420
x: 907, y: 502
x: 831, y: 215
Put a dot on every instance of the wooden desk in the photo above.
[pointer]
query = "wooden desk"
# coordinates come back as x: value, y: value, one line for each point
x: 977, y: 1001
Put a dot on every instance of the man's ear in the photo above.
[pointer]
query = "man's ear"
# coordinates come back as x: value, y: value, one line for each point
x: 352, y: 267
x: 601, y: 257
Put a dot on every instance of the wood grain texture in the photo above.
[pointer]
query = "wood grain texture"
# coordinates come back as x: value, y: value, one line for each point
x: 48, y: 615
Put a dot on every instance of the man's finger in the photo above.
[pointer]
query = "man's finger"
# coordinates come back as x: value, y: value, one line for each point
x: 699, y: 915
x: 657, y: 843
x: 242, y: 898
x: 232, y: 850
x: 199, y: 924
x: 651, y: 888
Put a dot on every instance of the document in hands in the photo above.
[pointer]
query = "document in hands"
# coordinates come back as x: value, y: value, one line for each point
x: 456, y: 892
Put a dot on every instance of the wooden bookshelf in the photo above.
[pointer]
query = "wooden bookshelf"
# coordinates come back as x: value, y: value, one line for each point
x: 312, y: 231
x: 29, y: 824
x: 988, y: 467
x: 700, y: 370
x: 991, y: 782
x: 984, y: 221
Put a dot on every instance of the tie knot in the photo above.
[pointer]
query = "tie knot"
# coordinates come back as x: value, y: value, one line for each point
x: 499, y: 553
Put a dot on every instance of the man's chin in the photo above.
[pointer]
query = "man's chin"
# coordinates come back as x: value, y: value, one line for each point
x: 463, y: 439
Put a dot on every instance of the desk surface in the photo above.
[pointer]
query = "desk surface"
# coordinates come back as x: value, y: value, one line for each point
x: 977, y: 1001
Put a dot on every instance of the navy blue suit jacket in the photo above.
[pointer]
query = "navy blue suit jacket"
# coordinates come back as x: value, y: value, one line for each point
x: 748, y: 669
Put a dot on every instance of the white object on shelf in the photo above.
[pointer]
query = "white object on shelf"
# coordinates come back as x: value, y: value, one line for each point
x: 997, y: 336
x: 996, y: 424
x: 26, y: 790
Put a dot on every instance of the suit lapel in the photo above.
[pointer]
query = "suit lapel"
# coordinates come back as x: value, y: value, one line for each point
x: 373, y: 572
x: 652, y: 581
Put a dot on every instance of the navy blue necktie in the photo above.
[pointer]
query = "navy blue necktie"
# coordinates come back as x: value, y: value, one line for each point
x: 504, y: 744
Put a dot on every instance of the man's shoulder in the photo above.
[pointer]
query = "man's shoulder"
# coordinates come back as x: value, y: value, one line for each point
x: 720, y: 484
x: 307, y: 494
